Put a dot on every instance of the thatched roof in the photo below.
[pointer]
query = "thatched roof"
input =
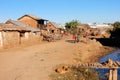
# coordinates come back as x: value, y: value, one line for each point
x: 21, y: 24
x: 11, y: 27
x: 56, y: 25
x: 33, y: 17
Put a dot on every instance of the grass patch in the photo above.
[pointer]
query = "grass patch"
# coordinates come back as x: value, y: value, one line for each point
x: 75, y: 73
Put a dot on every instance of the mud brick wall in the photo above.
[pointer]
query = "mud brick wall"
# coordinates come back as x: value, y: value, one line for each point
x: 1, y: 41
x: 29, y: 21
x: 51, y: 26
x: 31, y: 38
x: 35, y: 37
x: 10, y: 39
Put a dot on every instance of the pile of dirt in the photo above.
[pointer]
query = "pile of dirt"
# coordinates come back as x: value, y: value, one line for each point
x: 91, y: 51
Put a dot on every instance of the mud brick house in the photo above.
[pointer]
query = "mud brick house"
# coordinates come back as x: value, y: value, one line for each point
x: 53, y: 27
x: 10, y: 35
x: 34, y: 35
x: 34, y: 21
x: 83, y: 29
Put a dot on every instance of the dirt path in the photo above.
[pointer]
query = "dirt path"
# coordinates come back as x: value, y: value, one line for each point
x: 35, y: 62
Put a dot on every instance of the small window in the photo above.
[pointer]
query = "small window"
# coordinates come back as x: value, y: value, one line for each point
x: 52, y: 31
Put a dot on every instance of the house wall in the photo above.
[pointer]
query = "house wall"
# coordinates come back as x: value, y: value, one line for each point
x: 10, y: 39
x: 29, y: 21
x: 35, y: 37
x: 1, y: 42
x: 31, y: 38
x: 24, y: 37
x: 51, y: 26
x: 27, y: 35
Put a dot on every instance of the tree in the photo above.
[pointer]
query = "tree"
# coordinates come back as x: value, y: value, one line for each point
x: 116, y: 30
x: 72, y: 25
x: 116, y: 25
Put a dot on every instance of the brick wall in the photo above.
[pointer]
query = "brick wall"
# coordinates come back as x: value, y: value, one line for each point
x: 31, y: 38
x: 1, y: 42
x: 29, y: 21
x: 35, y: 37
x: 10, y: 39
x: 51, y: 26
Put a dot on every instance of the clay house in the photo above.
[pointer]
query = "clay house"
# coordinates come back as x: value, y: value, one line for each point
x: 10, y: 35
x: 83, y: 29
x: 53, y: 27
x: 33, y: 21
x: 34, y: 35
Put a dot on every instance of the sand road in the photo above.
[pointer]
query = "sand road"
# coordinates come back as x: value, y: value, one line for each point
x: 35, y: 62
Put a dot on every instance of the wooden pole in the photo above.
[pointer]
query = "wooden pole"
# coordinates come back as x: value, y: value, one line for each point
x: 114, y: 74
x: 110, y: 74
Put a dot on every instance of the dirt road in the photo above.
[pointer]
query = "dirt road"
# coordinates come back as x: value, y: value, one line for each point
x: 35, y: 62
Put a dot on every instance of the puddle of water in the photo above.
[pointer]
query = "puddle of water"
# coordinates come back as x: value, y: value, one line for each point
x: 103, y: 73
x: 115, y: 56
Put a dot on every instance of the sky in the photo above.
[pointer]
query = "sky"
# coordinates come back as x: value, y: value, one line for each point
x: 62, y: 11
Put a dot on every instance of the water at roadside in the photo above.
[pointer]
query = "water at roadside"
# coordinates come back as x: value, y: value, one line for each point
x: 115, y: 56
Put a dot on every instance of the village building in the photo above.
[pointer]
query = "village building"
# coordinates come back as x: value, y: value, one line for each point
x: 10, y: 35
x: 83, y: 29
x: 33, y: 21
x: 34, y: 35
x: 53, y: 27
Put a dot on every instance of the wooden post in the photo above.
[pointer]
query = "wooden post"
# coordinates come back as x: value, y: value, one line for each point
x: 114, y: 74
x: 110, y: 74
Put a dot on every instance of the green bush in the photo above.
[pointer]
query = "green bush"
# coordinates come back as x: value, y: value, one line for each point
x: 116, y: 30
x: 72, y: 26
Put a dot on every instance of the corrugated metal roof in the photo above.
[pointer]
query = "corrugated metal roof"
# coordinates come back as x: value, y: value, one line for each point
x: 21, y: 24
x: 33, y: 16
x: 10, y: 27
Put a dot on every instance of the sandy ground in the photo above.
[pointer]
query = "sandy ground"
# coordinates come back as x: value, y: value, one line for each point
x: 36, y: 62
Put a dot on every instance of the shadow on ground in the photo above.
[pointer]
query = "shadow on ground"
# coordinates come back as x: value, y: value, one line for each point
x: 70, y: 41
x: 109, y: 42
